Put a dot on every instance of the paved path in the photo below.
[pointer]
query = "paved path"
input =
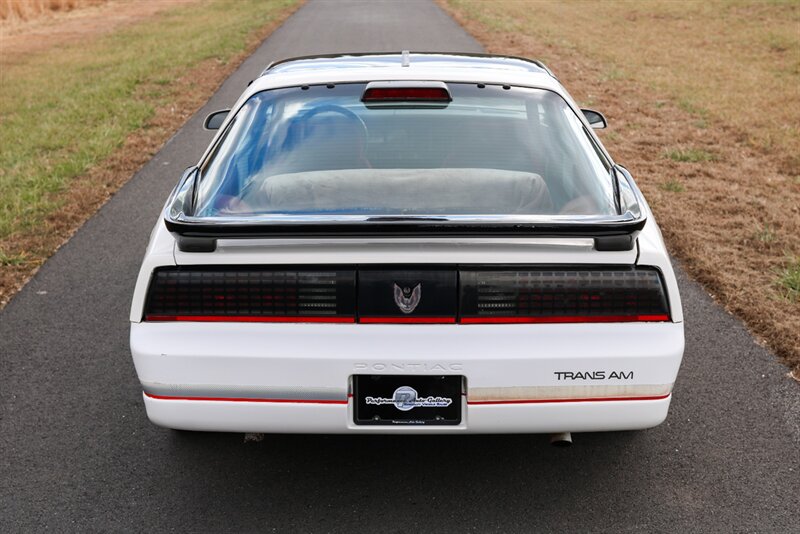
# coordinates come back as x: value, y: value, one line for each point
x: 77, y: 453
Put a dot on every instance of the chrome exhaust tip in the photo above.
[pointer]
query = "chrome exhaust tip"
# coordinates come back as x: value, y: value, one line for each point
x: 561, y: 439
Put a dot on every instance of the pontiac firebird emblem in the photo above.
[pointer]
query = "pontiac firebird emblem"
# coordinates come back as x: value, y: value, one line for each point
x: 407, y: 299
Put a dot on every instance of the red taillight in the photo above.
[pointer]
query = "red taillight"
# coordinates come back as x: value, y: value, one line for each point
x: 406, y: 94
x: 218, y: 294
x: 562, y: 296
x: 249, y: 318
x: 483, y: 295
x: 566, y: 319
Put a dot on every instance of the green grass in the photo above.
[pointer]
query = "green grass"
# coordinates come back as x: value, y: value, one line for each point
x: 12, y: 259
x: 779, y: 43
x: 614, y: 73
x: 64, y: 110
x: 765, y: 234
x: 689, y: 107
x: 789, y: 279
x: 689, y: 155
x: 673, y: 186
x: 498, y: 21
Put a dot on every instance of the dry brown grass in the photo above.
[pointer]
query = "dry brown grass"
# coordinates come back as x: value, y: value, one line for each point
x: 21, y: 39
x: 703, y: 102
x: 734, y: 60
x: 24, y: 10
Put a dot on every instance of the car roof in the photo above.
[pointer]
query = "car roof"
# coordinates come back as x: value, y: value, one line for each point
x: 425, y: 60
x: 404, y: 66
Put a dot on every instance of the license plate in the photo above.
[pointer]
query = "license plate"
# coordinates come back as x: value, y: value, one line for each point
x: 407, y: 400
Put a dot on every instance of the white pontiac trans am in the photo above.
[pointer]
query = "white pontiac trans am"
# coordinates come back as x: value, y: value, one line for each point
x: 406, y: 243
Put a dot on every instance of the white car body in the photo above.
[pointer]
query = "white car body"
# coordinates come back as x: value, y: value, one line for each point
x: 297, y: 377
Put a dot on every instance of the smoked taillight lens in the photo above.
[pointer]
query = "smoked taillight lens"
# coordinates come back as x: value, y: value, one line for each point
x: 485, y: 295
x: 563, y: 295
x: 251, y: 295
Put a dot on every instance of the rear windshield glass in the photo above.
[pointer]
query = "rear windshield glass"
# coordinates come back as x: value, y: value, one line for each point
x: 320, y: 150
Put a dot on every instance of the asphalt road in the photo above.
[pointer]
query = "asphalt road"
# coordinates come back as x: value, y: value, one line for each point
x: 77, y: 452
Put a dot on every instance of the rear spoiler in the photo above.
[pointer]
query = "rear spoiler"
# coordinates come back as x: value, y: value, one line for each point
x: 200, y: 234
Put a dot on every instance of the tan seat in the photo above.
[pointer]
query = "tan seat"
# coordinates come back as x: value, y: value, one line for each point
x: 420, y: 191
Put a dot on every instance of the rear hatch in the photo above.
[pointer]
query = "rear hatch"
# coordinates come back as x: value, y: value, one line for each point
x: 390, y: 202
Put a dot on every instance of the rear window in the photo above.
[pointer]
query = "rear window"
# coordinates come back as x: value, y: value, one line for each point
x: 320, y: 150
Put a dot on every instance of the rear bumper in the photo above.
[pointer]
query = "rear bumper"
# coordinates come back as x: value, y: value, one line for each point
x: 296, y: 377
x: 305, y: 418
